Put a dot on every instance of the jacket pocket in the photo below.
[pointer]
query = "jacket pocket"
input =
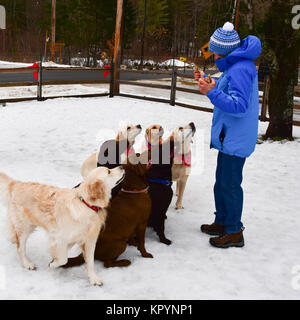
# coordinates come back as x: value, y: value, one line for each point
x: 222, y: 137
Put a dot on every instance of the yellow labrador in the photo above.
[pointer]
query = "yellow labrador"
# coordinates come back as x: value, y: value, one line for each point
x: 181, y: 168
x: 70, y: 216
x: 153, y: 136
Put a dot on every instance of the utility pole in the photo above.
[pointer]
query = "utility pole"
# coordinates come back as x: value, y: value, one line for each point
x: 235, y: 13
x: 53, y: 23
x: 3, y: 25
x: 143, y: 35
x: 117, y: 48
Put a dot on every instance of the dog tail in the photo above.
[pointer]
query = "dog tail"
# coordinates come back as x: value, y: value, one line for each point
x: 74, y: 262
x: 4, y: 188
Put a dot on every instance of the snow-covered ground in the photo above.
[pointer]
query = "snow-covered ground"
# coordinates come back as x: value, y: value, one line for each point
x: 51, y: 90
x: 47, y: 142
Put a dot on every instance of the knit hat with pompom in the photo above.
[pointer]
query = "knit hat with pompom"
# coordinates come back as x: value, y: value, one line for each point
x: 224, y: 40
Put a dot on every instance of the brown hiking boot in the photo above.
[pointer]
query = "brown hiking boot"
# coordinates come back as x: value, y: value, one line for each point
x: 213, y: 229
x: 228, y: 240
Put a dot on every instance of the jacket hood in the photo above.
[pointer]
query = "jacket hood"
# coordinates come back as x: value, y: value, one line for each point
x: 250, y: 49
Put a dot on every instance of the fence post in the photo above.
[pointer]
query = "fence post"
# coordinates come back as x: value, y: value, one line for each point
x: 264, y: 104
x: 40, y: 80
x: 112, y: 79
x: 173, y: 86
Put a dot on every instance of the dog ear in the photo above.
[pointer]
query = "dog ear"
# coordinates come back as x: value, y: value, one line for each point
x: 122, y: 134
x: 147, y: 131
x: 96, y: 191
x: 118, y: 138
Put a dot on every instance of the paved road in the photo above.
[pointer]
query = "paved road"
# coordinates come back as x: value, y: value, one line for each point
x: 82, y: 75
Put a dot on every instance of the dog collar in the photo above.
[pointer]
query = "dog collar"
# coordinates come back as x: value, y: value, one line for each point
x: 149, y: 145
x: 184, y: 158
x: 130, y: 151
x: 136, y: 190
x: 96, y: 209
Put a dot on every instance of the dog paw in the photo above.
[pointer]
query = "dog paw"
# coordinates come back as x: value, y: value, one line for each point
x: 179, y: 206
x: 147, y: 255
x: 55, y: 264
x: 95, y: 281
x: 29, y: 266
x: 165, y: 240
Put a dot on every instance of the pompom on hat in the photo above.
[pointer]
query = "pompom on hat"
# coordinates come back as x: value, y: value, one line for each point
x: 224, y: 40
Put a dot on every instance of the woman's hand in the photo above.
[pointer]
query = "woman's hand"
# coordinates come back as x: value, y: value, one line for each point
x: 206, y: 87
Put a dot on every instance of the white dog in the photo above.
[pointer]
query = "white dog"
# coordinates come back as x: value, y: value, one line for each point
x: 70, y: 216
x: 181, y: 168
x: 128, y: 133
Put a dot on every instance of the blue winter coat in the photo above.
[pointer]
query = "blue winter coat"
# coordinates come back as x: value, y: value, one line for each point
x: 236, y: 101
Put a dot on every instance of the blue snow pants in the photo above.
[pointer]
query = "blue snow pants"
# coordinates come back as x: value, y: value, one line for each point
x: 228, y: 192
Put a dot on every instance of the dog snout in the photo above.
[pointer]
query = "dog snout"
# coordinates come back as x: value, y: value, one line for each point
x: 139, y: 126
x: 161, y: 131
x: 192, y: 125
x: 122, y: 171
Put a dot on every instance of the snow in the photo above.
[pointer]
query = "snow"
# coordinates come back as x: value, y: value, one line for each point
x: 177, y: 63
x: 8, y: 64
x: 50, y: 91
x: 168, y: 63
x: 48, y: 141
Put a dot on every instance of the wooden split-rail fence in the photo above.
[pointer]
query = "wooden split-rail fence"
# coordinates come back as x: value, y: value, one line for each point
x: 173, y: 88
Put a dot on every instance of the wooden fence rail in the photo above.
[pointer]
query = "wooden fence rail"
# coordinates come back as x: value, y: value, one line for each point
x: 173, y: 87
x: 40, y: 82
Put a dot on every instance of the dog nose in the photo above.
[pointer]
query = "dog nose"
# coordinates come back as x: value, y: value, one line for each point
x: 139, y: 126
x: 192, y: 125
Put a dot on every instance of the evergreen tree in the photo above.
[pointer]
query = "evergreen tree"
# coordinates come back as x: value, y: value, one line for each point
x: 281, y: 44
x: 157, y: 15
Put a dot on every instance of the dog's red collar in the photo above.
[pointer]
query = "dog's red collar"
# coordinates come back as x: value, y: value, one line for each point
x: 96, y: 209
x: 184, y: 158
x: 130, y: 151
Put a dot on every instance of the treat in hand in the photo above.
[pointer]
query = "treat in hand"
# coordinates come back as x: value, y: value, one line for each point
x: 208, y: 79
x: 198, y: 74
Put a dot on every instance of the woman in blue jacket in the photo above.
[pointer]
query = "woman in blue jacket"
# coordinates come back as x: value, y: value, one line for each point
x: 234, y: 127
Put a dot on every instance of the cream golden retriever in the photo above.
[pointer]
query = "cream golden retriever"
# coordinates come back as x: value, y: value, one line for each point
x: 128, y: 133
x: 70, y: 216
x: 181, y: 168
